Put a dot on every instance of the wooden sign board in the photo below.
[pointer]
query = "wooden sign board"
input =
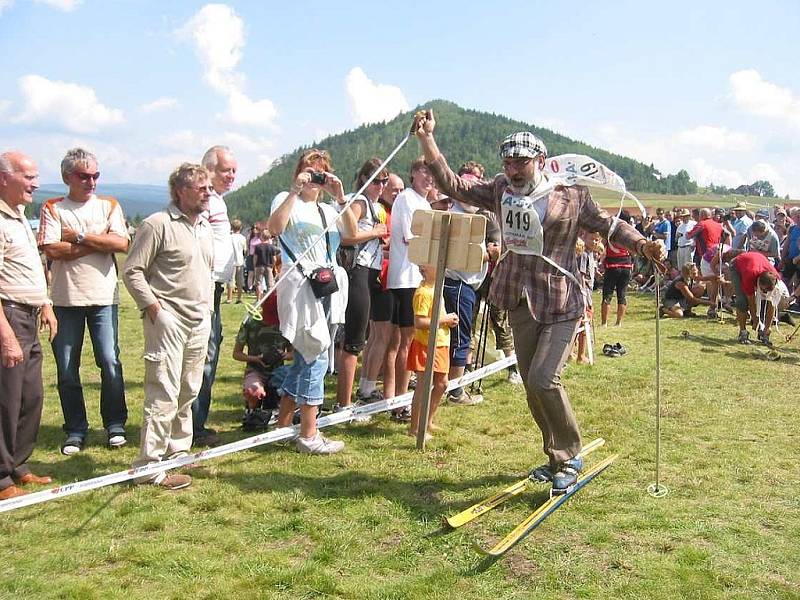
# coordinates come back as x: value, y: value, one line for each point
x: 464, y: 250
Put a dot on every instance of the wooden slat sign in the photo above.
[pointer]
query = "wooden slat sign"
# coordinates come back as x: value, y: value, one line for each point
x: 467, y: 233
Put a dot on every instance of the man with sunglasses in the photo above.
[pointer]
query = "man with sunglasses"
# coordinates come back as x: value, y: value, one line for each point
x: 534, y: 276
x: 81, y: 233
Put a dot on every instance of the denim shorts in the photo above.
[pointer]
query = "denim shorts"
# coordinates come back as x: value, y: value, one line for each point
x: 305, y: 381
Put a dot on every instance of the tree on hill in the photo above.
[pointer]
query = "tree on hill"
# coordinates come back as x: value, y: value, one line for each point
x: 462, y: 134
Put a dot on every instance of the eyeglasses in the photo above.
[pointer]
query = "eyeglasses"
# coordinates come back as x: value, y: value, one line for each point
x: 516, y: 163
x: 84, y: 177
x: 382, y: 181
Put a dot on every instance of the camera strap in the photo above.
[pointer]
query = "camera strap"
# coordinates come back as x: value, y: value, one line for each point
x: 327, y: 241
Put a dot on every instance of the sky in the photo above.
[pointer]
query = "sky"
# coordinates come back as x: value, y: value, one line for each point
x: 710, y: 87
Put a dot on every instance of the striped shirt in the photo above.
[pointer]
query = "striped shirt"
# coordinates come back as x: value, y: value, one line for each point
x: 21, y: 274
x: 551, y: 295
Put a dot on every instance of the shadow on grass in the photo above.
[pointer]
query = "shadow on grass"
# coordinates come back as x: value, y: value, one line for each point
x: 734, y: 349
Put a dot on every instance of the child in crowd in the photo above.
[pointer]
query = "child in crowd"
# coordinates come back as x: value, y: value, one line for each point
x: 263, y: 375
x: 418, y: 352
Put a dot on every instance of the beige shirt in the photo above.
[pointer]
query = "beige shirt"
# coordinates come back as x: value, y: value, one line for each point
x: 170, y: 262
x: 90, y: 280
x: 21, y: 274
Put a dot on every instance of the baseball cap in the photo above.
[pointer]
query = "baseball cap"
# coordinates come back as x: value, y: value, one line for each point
x: 522, y: 144
x: 763, y: 213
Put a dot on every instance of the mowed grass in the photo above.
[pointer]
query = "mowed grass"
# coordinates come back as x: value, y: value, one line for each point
x: 609, y: 200
x: 366, y: 523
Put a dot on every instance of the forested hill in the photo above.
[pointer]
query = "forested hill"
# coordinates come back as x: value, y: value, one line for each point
x: 462, y: 135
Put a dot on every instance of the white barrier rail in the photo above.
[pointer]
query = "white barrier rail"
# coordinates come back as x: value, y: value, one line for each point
x: 270, y: 437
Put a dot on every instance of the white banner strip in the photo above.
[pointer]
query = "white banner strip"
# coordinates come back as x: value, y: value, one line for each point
x: 276, y: 435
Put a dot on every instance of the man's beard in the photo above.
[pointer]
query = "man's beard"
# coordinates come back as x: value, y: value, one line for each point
x: 528, y: 187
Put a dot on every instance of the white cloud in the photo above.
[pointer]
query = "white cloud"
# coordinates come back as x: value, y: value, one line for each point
x: 74, y: 107
x: 704, y: 174
x: 751, y: 93
x: 371, y: 102
x: 65, y: 5
x: 716, y: 138
x: 159, y: 104
x: 244, y: 111
x: 4, y: 106
x: 5, y: 4
x: 217, y: 34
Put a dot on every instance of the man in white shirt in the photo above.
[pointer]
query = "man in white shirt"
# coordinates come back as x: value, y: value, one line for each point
x: 239, y: 244
x: 685, y: 244
x: 81, y: 233
x: 404, y: 276
x: 221, y: 163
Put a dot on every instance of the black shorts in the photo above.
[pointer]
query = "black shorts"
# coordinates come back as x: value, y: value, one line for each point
x: 403, y: 310
x: 356, y: 317
x: 616, y: 280
x: 381, y: 301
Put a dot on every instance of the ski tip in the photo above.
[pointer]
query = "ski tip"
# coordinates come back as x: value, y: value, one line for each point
x: 449, y: 522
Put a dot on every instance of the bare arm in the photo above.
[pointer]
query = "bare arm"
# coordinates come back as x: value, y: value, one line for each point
x: 96, y: 242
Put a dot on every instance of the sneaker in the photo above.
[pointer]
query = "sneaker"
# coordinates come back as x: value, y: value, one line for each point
x: 116, y: 437
x: 72, y: 445
x: 207, y: 438
x: 401, y: 415
x: 744, y: 337
x: 712, y: 313
x: 610, y: 351
x: 356, y: 418
x: 764, y: 339
x: 319, y: 444
x: 786, y: 318
x: 621, y: 350
x: 256, y: 419
x: 465, y: 399
x: 567, y: 475
x: 374, y: 396
x: 541, y: 473
x: 514, y: 378
x: 173, y: 481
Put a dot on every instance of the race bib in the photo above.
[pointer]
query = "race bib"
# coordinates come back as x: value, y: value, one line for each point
x: 522, y: 226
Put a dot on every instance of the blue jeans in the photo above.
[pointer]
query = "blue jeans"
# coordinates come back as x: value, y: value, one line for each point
x: 202, y: 404
x: 305, y: 381
x: 67, y: 348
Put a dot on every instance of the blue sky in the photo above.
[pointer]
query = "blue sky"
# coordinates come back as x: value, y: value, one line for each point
x: 712, y: 87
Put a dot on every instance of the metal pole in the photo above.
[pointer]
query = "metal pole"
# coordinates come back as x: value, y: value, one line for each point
x: 656, y: 489
x: 441, y: 262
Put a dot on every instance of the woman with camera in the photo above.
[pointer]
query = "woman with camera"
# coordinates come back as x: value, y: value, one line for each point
x: 366, y: 256
x: 314, y: 293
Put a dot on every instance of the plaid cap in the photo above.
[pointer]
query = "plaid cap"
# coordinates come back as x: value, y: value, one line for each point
x: 522, y: 144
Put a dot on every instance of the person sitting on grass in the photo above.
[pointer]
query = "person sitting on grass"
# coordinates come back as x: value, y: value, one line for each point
x: 266, y: 351
x: 683, y: 293
x: 418, y: 352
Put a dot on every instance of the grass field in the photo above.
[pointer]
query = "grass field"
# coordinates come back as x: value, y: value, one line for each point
x: 609, y: 199
x: 366, y: 523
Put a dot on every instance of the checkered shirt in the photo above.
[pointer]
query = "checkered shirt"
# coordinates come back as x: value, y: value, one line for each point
x: 553, y: 296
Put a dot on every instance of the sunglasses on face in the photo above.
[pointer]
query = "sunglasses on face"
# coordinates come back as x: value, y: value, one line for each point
x: 382, y: 181
x: 84, y: 177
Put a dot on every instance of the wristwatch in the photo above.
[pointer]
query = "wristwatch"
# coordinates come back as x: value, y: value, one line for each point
x: 80, y: 238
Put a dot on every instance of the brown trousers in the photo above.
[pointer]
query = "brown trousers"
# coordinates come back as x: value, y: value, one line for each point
x: 542, y: 351
x: 21, y: 397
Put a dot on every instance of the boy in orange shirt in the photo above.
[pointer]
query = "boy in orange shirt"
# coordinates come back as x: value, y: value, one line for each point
x: 418, y: 352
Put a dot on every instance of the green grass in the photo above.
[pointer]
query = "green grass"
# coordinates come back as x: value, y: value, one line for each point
x: 270, y: 523
x: 609, y: 199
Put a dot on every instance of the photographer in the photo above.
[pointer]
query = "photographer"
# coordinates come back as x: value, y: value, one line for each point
x: 314, y: 293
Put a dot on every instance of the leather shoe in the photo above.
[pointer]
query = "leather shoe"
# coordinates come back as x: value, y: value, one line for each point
x: 31, y: 478
x: 11, y: 491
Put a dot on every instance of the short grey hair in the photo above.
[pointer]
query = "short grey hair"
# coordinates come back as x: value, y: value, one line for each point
x: 76, y: 157
x: 210, y: 158
x: 5, y: 164
x: 185, y: 175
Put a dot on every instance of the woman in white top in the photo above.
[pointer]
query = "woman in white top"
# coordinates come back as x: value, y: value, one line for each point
x: 299, y: 218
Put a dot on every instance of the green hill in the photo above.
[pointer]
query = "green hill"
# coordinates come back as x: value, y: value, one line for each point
x: 462, y: 134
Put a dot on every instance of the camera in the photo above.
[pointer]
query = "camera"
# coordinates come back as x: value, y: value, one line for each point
x: 318, y: 177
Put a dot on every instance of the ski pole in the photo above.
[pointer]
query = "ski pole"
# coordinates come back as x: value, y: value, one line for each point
x: 656, y: 490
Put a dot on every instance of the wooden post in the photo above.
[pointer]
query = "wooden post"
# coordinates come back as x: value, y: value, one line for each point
x: 427, y: 379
